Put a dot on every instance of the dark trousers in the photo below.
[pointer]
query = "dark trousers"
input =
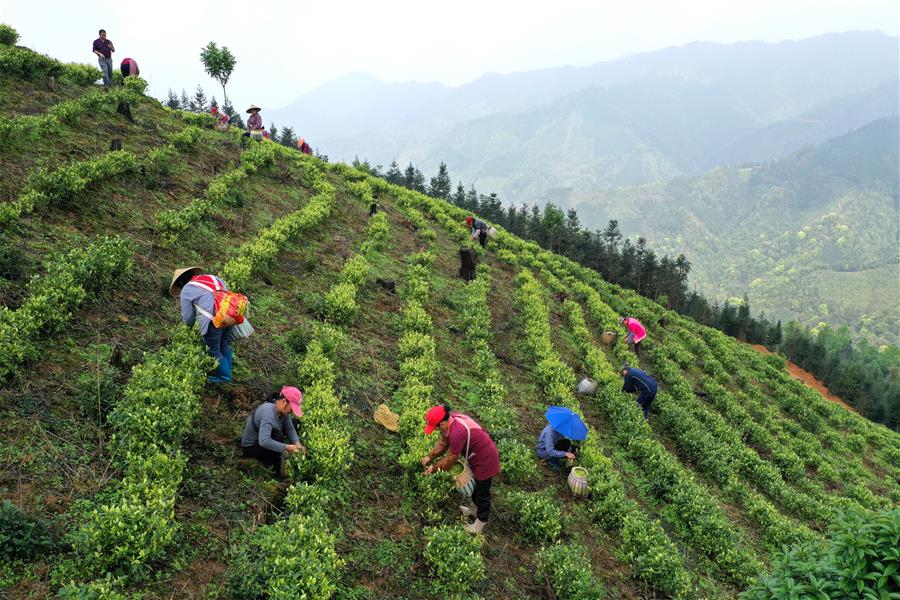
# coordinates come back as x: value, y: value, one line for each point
x: 644, y: 400
x: 270, y: 458
x: 482, y: 239
x: 481, y: 496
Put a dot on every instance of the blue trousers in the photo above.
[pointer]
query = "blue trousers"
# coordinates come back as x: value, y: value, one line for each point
x: 218, y: 342
x: 645, y: 399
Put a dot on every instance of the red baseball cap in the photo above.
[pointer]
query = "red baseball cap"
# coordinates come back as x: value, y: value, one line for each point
x: 435, y: 415
x: 469, y: 220
x: 294, y: 398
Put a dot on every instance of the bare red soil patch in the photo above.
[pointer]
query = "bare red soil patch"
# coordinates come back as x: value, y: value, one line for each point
x: 807, y: 378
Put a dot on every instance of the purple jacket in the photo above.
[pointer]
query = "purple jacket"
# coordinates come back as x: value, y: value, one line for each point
x: 102, y: 46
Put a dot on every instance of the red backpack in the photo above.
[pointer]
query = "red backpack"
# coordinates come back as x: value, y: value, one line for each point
x: 228, y: 307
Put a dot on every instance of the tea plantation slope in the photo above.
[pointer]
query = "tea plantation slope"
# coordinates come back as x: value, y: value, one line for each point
x: 123, y: 469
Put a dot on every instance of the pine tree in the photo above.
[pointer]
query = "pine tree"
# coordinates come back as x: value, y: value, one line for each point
x: 172, y: 100
x: 471, y: 199
x: 394, y: 174
x: 212, y: 102
x: 273, y: 131
x: 459, y: 198
x: 409, y: 176
x: 287, y: 137
x: 440, y: 185
x: 185, y: 100
x: 199, y: 100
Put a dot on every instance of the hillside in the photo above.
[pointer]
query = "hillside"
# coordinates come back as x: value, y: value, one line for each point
x: 121, y: 464
x: 812, y: 237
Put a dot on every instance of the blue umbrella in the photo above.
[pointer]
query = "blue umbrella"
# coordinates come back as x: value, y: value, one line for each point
x: 566, y: 422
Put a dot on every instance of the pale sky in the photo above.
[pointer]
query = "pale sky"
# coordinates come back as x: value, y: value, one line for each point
x: 286, y: 48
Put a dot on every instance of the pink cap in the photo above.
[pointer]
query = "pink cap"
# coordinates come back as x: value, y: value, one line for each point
x: 294, y: 398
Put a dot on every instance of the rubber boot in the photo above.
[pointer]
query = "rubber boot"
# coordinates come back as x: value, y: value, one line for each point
x: 469, y: 511
x: 476, y: 527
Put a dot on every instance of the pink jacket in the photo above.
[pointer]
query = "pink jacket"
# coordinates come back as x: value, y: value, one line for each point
x: 635, y: 327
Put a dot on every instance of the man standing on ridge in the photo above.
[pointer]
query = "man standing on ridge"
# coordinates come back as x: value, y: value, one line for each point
x: 638, y: 381
x: 464, y: 440
x: 104, y: 48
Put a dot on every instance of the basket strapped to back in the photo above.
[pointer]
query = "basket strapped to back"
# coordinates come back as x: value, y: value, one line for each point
x: 228, y: 307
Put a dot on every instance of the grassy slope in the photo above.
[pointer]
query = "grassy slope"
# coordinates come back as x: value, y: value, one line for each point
x: 52, y: 440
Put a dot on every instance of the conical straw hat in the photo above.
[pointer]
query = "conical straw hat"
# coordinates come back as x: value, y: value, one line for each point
x: 176, y: 290
x: 253, y: 107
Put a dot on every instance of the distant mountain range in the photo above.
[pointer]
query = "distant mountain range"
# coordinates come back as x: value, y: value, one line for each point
x: 634, y: 120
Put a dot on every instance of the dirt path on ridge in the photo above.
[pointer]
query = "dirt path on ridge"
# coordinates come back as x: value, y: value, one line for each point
x: 807, y: 378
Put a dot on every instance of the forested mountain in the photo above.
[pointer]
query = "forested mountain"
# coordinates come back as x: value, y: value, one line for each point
x: 813, y: 236
x: 635, y: 120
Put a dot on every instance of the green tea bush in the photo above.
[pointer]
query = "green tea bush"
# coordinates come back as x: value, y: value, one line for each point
x: 355, y: 270
x: 566, y: 567
x: 8, y: 35
x: 27, y: 64
x: 22, y: 537
x: 360, y: 190
x: 539, y: 513
x: 454, y: 557
x: 100, y: 589
x: 79, y: 74
x: 377, y: 233
x: 858, y: 559
x: 340, y: 304
x: 293, y: 558
x: 518, y: 461
x: 136, y: 85
x: 54, y: 297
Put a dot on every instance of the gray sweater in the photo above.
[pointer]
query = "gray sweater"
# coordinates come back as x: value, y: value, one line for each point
x: 263, y: 422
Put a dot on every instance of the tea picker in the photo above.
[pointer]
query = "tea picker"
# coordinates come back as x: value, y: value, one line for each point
x: 480, y: 230
x: 640, y: 382
x: 220, y: 312
x: 463, y: 440
x: 555, y: 442
x: 270, y: 426
x: 636, y: 333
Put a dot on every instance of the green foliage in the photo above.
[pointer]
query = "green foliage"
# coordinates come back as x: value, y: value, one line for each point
x: 539, y: 514
x: 8, y: 35
x: 79, y: 74
x: 101, y: 589
x: 361, y: 190
x: 134, y: 527
x: 566, y: 567
x: 54, y: 297
x: 858, y: 559
x: 518, y: 461
x: 135, y: 85
x: 454, y: 557
x: 172, y: 223
x: 219, y: 64
x: 22, y: 537
x: 258, y: 253
x: 27, y: 64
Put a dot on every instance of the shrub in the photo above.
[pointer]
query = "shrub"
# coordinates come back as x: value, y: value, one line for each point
x: 22, y: 537
x: 27, y: 64
x: 101, y: 589
x: 54, y: 297
x: 858, y: 559
x: 566, y: 568
x: 340, y: 304
x: 8, y: 35
x: 360, y: 190
x: 518, y: 461
x: 454, y: 556
x: 78, y: 74
x: 539, y: 514
x: 136, y: 85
